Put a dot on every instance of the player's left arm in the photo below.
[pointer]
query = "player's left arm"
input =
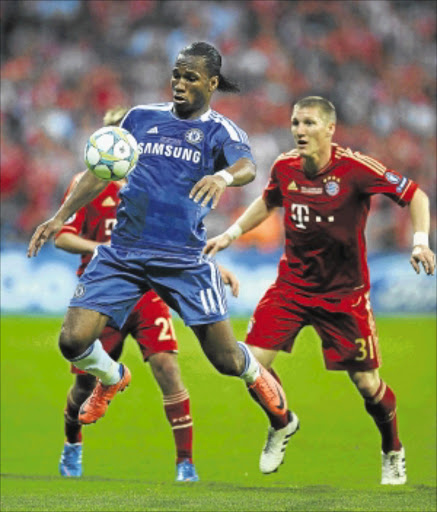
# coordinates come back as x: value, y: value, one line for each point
x: 375, y: 178
x: 212, y: 186
x: 420, y: 218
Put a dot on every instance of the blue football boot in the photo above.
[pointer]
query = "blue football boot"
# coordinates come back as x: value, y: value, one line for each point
x: 70, y: 464
x: 186, y: 472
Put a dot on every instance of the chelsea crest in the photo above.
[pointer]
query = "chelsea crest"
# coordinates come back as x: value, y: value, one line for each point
x: 194, y: 136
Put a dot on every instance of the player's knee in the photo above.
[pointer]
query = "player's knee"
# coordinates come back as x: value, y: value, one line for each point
x: 72, y: 341
x: 366, y: 382
x: 228, y: 363
x: 167, y: 373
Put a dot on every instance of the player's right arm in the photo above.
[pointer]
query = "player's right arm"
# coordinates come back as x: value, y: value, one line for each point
x: 86, y: 189
x: 253, y: 216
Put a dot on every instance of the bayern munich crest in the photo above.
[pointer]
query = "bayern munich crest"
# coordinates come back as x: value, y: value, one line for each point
x: 332, y: 185
x: 194, y: 136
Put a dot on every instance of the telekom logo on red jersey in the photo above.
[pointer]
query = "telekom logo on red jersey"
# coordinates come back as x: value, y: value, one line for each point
x: 300, y: 213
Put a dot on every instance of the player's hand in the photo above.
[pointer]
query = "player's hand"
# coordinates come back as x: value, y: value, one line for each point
x: 423, y: 255
x: 43, y: 233
x: 230, y: 279
x: 216, y: 244
x: 209, y: 187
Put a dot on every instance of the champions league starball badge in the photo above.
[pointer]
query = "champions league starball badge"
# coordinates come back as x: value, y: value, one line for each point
x: 194, y: 136
x: 392, y: 178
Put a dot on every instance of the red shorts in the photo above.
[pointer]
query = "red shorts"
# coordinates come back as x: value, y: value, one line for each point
x: 345, y: 325
x: 149, y: 324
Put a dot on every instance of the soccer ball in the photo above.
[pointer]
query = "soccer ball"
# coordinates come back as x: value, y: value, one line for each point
x: 111, y: 153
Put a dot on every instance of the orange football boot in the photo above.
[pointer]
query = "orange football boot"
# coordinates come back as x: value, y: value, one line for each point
x: 270, y: 392
x: 96, y: 404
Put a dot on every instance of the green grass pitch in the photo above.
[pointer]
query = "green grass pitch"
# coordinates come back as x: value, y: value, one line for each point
x: 333, y: 463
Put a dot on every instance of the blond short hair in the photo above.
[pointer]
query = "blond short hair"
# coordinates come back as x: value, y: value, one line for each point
x: 324, y: 105
x: 113, y: 116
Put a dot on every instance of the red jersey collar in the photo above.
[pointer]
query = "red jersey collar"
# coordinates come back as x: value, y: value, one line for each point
x: 325, y: 167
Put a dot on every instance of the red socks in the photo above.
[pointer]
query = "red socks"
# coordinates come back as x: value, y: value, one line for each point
x: 382, y: 408
x: 177, y: 409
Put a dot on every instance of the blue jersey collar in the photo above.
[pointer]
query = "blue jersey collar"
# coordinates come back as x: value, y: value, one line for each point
x: 203, y: 117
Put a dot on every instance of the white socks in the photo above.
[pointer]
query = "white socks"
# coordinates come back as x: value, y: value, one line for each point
x: 97, y: 362
x: 251, y: 370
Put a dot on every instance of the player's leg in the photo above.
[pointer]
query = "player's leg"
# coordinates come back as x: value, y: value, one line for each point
x: 176, y: 401
x: 281, y: 429
x: 150, y: 323
x: 350, y: 342
x: 266, y: 358
x: 234, y: 358
x: 79, y: 344
x: 84, y: 383
x: 275, y: 324
x: 196, y: 291
x: 380, y: 403
x: 109, y: 288
x: 70, y: 464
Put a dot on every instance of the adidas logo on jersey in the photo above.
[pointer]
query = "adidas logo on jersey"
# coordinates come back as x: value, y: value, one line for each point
x: 108, y: 202
x: 153, y: 130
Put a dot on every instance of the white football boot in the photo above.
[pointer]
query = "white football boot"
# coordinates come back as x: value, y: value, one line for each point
x: 393, y: 468
x: 273, y: 452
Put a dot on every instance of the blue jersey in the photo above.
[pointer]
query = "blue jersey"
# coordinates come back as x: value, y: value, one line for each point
x: 155, y: 211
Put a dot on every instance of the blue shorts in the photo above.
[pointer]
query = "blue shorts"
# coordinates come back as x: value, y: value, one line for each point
x: 116, y: 278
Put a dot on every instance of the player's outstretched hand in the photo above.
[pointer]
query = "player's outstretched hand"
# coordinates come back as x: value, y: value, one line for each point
x: 43, y: 233
x: 230, y: 279
x: 209, y: 187
x: 216, y: 244
x: 423, y: 255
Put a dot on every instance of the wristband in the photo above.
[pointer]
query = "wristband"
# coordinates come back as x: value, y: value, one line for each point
x: 420, y: 238
x: 227, y: 176
x: 234, y: 231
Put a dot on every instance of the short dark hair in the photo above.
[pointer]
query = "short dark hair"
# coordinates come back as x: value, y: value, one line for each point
x: 323, y: 104
x: 213, y: 63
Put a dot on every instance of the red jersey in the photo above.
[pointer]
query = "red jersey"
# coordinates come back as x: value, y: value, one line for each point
x: 325, y: 218
x: 95, y: 220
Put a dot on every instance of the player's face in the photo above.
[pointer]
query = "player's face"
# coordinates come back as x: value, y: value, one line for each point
x: 312, y: 132
x: 191, y: 85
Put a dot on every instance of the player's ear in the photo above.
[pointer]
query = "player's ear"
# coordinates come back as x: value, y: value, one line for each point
x: 213, y: 83
x: 331, y: 129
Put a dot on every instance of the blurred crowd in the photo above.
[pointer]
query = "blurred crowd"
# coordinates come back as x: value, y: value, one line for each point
x: 63, y: 63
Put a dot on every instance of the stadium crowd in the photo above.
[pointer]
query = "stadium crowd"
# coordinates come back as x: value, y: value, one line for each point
x: 64, y: 63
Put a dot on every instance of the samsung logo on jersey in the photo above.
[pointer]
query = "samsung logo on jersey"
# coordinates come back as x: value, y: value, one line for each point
x: 158, y: 148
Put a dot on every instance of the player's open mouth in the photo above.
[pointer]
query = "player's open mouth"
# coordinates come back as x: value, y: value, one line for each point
x: 177, y: 98
x: 302, y: 144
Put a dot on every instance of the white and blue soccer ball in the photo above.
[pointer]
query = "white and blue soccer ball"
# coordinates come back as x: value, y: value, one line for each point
x: 111, y: 153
